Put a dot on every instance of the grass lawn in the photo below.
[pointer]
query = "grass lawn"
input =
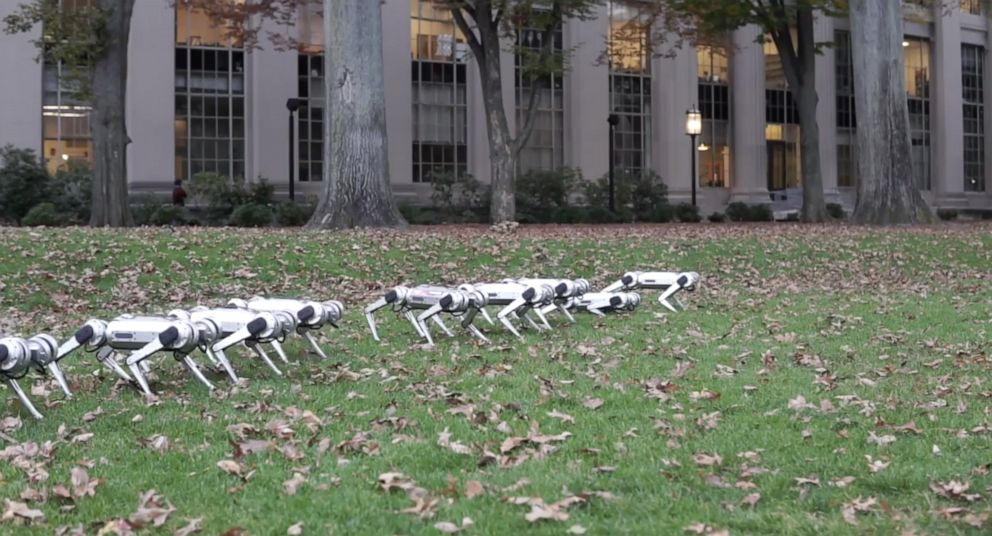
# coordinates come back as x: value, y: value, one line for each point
x: 824, y: 380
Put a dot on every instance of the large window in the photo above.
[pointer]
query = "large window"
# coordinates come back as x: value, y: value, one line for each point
x: 714, y: 102
x: 630, y: 88
x: 782, y: 131
x: 440, y: 109
x: 310, y: 117
x: 545, y: 146
x: 196, y: 29
x: 973, y: 7
x: 973, y: 95
x: 65, y: 114
x: 917, y: 60
x: 847, y: 169
x: 210, y: 104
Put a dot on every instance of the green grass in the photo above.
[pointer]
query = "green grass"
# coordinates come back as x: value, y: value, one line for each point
x: 894, y: 326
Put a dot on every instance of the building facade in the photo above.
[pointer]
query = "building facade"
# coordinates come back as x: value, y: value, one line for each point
x: 198, y: 102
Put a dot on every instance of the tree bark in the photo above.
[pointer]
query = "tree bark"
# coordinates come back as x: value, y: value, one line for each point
x: 356, y: 175
x: 108, y: 121
x: 503, y: 156
x: 887, y: 194
x: 800, y: 73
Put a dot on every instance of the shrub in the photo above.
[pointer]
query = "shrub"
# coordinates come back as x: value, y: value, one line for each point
x: 168, y: 215
x: 760, y: 213
x: 417, y: 215
x: 836, y: 211
x: 716, y: 217
x: 290, y: 214
x: 251, y: 215
x: 738, y: 211
x: 457, y: 197
x: 261, y: 192
x: 662, y: 213
x: 538, y: 193
x: 44, y: 214
x: 947, y: 214
x: 687, y: 213
x: 24, y: 182
x: 220, y: 194
x: 637, y: 194
x: 72, y: 190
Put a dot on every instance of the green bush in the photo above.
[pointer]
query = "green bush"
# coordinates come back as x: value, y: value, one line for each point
x: 72, y: 190
x: 662, y: 213
x: 738, y: 211
x: 716, y: 217
x: 44, y: 214
x: 290, y: 214
x: 457, y: 198
x: 418, y: 215
x: 687, y: 213
x: 251, y: 215
x: 836, y: 211
x: 760, y: 213
x: 637, y: 194
x: 168, y: 215
x: 261, y: 192
x: 947, y: 214
x: 24, y: 183
x: 538, y: 193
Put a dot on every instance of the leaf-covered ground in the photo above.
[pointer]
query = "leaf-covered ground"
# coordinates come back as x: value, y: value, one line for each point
x: 824, y: 380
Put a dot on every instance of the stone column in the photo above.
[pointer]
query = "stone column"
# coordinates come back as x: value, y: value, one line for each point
x: 20, y: 87
x: 826, y: 110
x: 396, y: 56
x: 947, y: 120
x: 675, y: 89
x: 750, y: 159
x: 587, y: 96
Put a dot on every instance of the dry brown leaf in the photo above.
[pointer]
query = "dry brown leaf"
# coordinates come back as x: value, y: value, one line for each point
x: 474, y: 488
x: 593, y: 403
x: 751, y: 499
x: 18, y: 510
x: 444, y: 440
x: 563, y: 416
x: 153, y: 510
x: 292, y: 485
x: 193, y: 526
x: 295, y: 530
x: 230, y: 467
x: 850, y: 510
x: 705, y: 459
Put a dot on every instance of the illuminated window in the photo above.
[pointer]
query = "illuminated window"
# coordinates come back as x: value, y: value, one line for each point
x: 195, y: 28
x: 973, y: 95
x: 209, y: 100
x: 311, y: 27
x: 782, y: 132
x: 65, y: 115
x: 630, y: 88
x: 917, y: 60
x: 714, y: 103
x: 973, y: 7
x: 544, y: 149
x: 440, y: 107
x: 847, y: 169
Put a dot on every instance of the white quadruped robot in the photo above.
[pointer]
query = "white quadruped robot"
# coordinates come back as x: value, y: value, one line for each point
x: 671, y: 283
x: 18, y: 356
x: 310, y: 316
x: 430, y: 300
x: 516, y: 301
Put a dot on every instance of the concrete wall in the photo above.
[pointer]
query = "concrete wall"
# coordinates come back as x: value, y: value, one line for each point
x: 20, y: 87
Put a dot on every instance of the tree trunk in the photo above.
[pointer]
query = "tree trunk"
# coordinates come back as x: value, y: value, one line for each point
x: 887, y: 193
x: 108, y: 121
x: 503, y: 157
x: 356, y: 174
x: 800, y: 73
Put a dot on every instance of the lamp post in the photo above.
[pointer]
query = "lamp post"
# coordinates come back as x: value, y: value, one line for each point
x: 612, y: 119
x: 693, y: 128
x: 292, y: 105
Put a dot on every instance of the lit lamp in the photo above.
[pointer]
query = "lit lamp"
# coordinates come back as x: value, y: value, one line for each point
x: 693, y: 128
x: 292, y: 105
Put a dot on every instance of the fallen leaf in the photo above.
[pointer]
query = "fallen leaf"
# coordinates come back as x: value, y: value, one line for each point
x: 593, y: 403
x: 444, y: 440
x: 751, y: 499
x: 18, y: 510
x: 563, y: 416
x: 292, y: 485
x: 295, y: 530
x: 230, y: 467
x: 474, y: 488
x: 153, y: 510
x: 194, y: 525
x: 576, y: 529
x: 707, y: 459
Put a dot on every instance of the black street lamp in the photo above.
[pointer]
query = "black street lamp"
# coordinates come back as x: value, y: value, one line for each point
x: 693, y: 128
x: 613, y: 120
x: 292, y: 105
